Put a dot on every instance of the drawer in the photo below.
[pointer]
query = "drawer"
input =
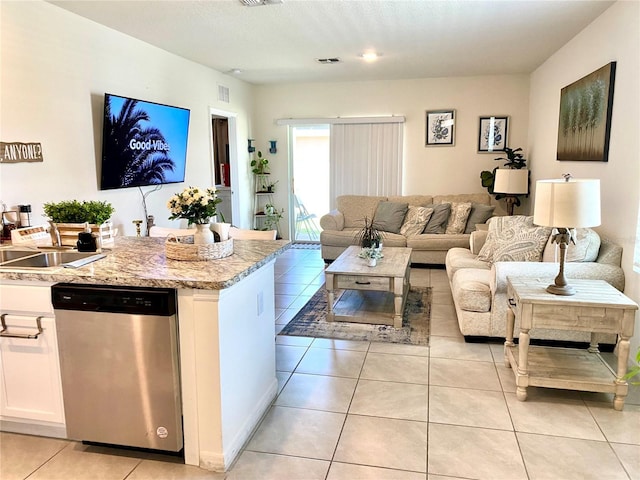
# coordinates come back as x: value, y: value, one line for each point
x: 356, y: 282
x: 26, y: 298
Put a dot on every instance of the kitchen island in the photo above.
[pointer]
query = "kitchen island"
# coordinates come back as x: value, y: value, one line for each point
x: 226, y: 331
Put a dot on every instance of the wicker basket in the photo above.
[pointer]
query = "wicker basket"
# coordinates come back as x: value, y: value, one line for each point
x: 182, y: 248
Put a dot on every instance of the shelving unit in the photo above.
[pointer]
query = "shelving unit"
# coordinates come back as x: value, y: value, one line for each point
x: 261, y: 198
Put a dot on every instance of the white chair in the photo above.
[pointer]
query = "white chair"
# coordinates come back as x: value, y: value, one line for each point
x: 244, y: 234
x: 163, y: 231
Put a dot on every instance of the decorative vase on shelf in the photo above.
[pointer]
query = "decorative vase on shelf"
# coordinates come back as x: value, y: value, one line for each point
x: 373, y: 262
x: 203, y: 234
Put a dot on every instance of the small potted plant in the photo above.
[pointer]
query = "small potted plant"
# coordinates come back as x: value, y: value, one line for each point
x: 269, y: 186
x: 372, y: 255
x: 260, y: 165
x: 369, y: 235
x: 272, y: 217
x: 70, y: 217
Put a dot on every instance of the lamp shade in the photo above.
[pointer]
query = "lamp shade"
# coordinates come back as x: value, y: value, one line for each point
x: 512, y: 181
x: 568, y: 204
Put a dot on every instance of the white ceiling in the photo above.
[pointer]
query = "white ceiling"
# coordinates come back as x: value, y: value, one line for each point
x: 417, y: 38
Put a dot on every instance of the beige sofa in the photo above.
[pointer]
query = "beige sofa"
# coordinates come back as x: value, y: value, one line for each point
x: 479, y: 288
x: 340, y: 226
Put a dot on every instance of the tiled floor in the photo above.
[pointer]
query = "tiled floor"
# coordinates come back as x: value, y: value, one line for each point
x: 359, y: 410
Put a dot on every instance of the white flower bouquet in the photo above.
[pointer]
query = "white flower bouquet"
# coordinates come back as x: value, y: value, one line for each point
x: 194, y: 204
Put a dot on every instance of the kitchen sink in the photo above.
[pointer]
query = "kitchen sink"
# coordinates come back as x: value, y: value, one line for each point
x: 37, y: 259
x: 8, y: 255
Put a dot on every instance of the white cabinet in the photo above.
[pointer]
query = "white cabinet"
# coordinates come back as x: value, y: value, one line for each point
x: 30, y: 385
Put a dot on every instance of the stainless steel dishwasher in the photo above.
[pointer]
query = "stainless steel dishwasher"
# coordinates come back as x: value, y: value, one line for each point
x: 119, y: 365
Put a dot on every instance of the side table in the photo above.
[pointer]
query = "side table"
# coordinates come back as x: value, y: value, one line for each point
x: 597, y: 307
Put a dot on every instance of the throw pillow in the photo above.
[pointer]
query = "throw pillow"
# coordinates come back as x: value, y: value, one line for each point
x: 415, y: 220
x: 438, y: 221
x: 458, y: 217
x: 586, y: 248
x: 479, y: 214
x: 389, y: 216
x: 514, y: 239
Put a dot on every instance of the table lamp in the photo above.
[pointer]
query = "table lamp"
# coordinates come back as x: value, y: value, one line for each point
x: 565, y: 204
x: 511, y: 182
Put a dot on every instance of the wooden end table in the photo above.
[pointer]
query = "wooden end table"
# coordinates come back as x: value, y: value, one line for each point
x: 597, y: 307
x: 391, y: 274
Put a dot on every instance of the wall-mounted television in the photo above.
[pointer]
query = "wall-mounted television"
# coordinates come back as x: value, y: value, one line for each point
x: 143, y: 143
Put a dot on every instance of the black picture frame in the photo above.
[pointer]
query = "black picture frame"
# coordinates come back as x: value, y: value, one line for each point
x: 584, y: 127
x: 440, y: 128
x: 493, y: 133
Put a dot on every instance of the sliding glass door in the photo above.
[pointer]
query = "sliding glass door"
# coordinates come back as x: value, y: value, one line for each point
x: 310, y: 173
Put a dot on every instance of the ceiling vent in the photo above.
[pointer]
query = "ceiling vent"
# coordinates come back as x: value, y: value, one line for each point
x: 328, y: 61
x: 257, y: 3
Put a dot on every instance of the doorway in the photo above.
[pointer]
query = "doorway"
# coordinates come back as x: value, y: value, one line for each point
x: 224, y: 154
x: 310, y: 185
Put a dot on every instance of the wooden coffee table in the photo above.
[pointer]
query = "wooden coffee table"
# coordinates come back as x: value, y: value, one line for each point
x: 597, y: 307
x: 391, y: 274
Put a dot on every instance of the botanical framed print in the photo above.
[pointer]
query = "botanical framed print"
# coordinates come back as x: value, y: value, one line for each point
x: 440, y: 128
x: 492, y: 134
x: 585, y: 116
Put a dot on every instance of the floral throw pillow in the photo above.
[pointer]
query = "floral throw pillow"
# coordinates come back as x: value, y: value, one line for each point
x: 415, y: 220
x: 458, y: 217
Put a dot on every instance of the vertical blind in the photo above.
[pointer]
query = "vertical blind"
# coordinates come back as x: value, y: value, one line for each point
x: 366, y: 159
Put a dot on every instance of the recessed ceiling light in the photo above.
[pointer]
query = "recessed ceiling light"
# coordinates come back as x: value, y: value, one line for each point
x: 235, y: 71
x: 370, y: 56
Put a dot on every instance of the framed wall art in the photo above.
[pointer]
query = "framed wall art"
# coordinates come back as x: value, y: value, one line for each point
x: 585, y: 116
x: 440, y: 127
x: 492, y: 134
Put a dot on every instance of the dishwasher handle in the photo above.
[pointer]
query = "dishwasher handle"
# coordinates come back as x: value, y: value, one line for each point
x: 30, y: 336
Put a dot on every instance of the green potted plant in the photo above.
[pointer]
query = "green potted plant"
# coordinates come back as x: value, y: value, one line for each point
x: 515, y: 160
x: 272, y: 217
x: 369, y: 235
x: 268, y: 187
x: 70, y: 217
x: 260, y: 165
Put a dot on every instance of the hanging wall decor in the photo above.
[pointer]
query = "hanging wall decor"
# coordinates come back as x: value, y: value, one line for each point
x: 492, y: 134
x: 440, y: 127
x: 585, y: 116
x: 16, y: 152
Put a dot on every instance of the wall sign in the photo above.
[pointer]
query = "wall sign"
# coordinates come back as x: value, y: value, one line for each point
x: 16, y: 152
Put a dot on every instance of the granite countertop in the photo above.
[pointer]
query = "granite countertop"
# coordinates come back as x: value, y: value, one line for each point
x: 141, y: 261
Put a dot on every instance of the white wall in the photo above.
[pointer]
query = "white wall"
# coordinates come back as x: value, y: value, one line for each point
x: 55, y: 69
x: 614, y: 36
x: 429, y: 170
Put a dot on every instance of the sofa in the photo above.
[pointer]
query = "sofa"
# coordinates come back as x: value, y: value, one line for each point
x: 478, y: 274
x: 429, y: 224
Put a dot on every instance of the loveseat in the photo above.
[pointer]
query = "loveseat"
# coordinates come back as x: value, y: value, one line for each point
x: 513, y: 246
x: 425, y: 223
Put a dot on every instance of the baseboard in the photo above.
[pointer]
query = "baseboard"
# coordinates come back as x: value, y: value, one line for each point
x: 43, y: 429
x: 603, y: 347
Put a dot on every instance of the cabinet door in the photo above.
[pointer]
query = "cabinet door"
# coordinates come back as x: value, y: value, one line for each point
x: 30, y: 385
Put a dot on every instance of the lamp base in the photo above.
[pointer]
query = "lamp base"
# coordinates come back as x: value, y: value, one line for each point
x: 561, y: 290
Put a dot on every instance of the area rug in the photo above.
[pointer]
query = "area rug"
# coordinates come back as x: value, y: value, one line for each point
x: 311, y: 321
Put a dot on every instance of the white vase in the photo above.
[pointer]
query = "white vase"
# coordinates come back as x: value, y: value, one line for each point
x: 203, y: 234
x: 373, y: 262
x: 221, y: 229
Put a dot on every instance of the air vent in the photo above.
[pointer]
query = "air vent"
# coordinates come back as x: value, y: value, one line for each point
x: 327, y: 61
x: 223, y: 93
x: 257, y: 3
